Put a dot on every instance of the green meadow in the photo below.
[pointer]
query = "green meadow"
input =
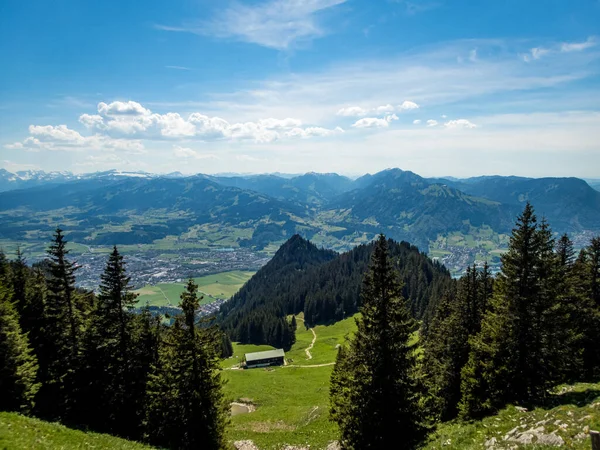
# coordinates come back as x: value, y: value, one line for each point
x: 212, y: 287
x: 292, y: 403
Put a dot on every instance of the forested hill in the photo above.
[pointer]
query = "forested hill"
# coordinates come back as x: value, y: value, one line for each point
x: 325, y: 286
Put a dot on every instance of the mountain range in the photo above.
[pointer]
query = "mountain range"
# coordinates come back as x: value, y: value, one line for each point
x: 334, y: 211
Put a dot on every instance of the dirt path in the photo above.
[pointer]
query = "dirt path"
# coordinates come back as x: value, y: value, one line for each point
x: 310, y: 365
x: 309, y: 348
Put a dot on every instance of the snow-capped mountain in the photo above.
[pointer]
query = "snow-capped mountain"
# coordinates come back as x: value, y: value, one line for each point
x: 31, y: 178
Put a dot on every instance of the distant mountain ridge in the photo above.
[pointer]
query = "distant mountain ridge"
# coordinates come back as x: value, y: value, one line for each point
x: 116, y: 207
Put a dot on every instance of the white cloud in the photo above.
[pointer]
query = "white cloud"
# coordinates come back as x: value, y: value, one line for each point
x: 62, y: 138
x: 408, y: 105
x: 538, y: 52
x: 357, y: 111
x: 313, y: 132
x: 278, y: 24
x: 352, y: 111
x: 278, y: 124
x: 416, y: 122
x: 57, y: 133
x: 384, y: 109
x: 122, y: 108
x: 374, y: 122
x: 432, y: 123
x: 564, y: 47
x: 92, y: 121
x: 567, y: 47
x: 172, y: 125
x: 460, y: 123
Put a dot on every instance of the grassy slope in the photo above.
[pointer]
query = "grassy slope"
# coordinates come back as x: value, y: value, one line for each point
x: 577, y: 408
x: 292, y: 402
x: 212, y: 287
x: 23, y: 433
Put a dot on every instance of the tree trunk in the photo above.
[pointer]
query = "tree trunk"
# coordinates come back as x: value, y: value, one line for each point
x: 595, y: 435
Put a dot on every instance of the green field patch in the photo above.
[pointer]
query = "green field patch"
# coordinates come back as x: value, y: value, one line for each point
x: 292, y: 406
x: 212, y: 287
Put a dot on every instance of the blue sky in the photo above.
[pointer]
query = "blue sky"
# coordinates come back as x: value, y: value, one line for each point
x: 439, y: 87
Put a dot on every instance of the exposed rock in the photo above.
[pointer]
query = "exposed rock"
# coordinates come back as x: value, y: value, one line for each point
x: 491, y: 442
x: 523, y: 438
x: 335, y: 445
x: 245, y: 445
x: 550, y: 439
x: 581, y: 436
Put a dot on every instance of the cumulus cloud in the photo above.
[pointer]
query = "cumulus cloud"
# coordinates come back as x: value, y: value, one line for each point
x: 416, y: 122
x: 408, y: 105
x: 122, y: 108
x: 313, y: 132
x: 385, y: 109
x: 278, y: 124
x: 148, y: 125
x: 459, y: 123
x: 375, y: 122
x: 357, y: 111
x: 62, y: 138
x: 432, y: 123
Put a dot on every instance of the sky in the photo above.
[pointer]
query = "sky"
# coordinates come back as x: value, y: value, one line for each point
x: 440, y: 87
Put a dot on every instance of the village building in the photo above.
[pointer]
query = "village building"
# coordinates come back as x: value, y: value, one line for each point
x: 264, y: 359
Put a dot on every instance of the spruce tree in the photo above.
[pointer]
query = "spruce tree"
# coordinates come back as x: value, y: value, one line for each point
x: 524, y: 341
x: 109, y: 352
x: 446, y: 346
x: 18, y: 365
x: 63, y: 326
x: 374, y: 397
x: 186, y: 407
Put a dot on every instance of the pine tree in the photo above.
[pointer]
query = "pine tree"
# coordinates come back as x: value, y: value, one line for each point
x: 186, y: 407
x: 373, y: 393
x: 444, y: 356
x: 109, y: 352
x: 523, y: 344
x: 446, y: 346
x: 18, y: 365
x: 63, y: 325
